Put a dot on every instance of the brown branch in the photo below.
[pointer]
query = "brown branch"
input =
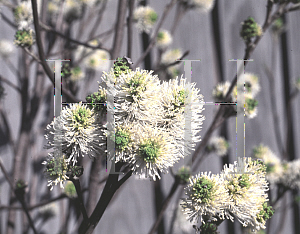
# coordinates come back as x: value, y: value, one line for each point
x: 129, y: 28
x: 164, y: 207
x: 111, y: 186
x: 85, y: 44
x: 274, y: 110
x: 35, y: 206
x: 98, y: 20
x: 180, y: 12
x: 21, y: 200
x: 32, y: 55
x: 10, y: 84
x: 293, y: 8
x: 11, y: 140
x: 117, y: 44
x: 10, y: 23
x: 93, y: 186
x: 186, y: 53
x: 39, y: 41
x: 76, y: 183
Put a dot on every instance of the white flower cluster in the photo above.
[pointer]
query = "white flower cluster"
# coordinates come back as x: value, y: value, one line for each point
x: 218, y: 145
x: 250, y: 89
x: 6, y: 48
x: 163, y: 39
x: 170, y: 56
x: 145, y: 18
x: 76, y: 132
x: 291, y: 174
x: 239, y: 191
x: 272, y: 162
x: 152, y: 119
x: 278, y: 171
x: 201, y: 5
x: 72, y: 9
x: 23, y: 15
x: 93, y: 59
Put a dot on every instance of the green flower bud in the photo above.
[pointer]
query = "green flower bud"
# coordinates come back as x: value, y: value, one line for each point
x: 122, y: 139
x: 203, y: 190
x: 24, y: 38
x: 209, y: 228
x: 265, y: 214
x: 121, y: 65
x: 184, y: 174
x: 277, y: 25
x: 149, y: 151
x: 250, y: 104
x: 66, y: 70
x: 70, y: 190
x: 250, y: 29
x: 98, y: 100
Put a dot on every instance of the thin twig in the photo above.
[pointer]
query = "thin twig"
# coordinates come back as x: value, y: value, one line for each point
x: 117, y: 44
x: 152, y: 41
x: 76, y: 183
x: 274, y: 110
x: 39, y: 41
x: 164, y: 206
x: 180, y: 12
x: 129, y: 28
x: 174, y: 216
x: 10, y: 84
x: 293, y: 8
x: 186, y: 53
x: 85, y: 44
x: 21, y: 200
x: 98, y: 20
x: 32, y: 55
x: 108, y: 192
x: 35, y: 206
x: 11, y: 140
x: 12, y: 67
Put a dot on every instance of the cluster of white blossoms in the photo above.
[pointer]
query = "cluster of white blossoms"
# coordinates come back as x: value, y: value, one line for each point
x: 49, y: 210
x: 218, y: 145
x: 75, y: 132
x: 273, y: 163
x: 181, y: 226
x: 250, y: 89
x: 278, y: 171
x: 97, y: 60
x: 163, y: 39
x: 56, y: 169
x: 71, y: 9
x: 170, y: 56
x: 201, y: 5
x: 291, y: 174
x: 145, y: 18
x: 239, y: 191
x: 153, y: 119
x: 23, y: 15
x: 6, y: 48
